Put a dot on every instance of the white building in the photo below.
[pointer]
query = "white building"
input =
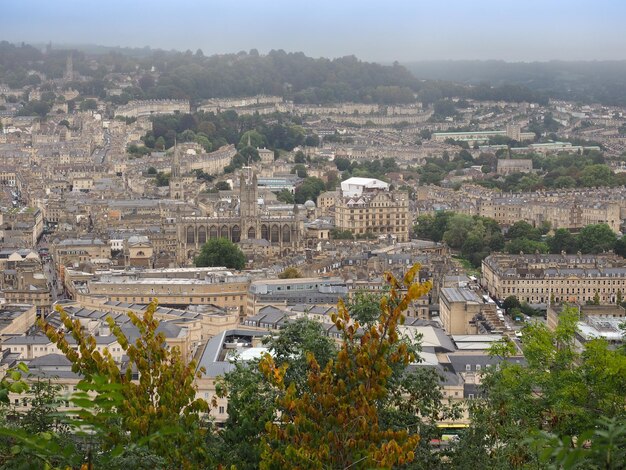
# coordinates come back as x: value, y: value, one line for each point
x: 354, y: 187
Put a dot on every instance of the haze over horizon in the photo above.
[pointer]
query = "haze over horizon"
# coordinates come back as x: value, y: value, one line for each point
x: 402, y: 30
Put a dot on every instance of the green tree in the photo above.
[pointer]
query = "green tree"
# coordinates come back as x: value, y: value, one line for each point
x: 607, y: 449
x: 337, y: 234
x: 596, y: 298
x: 160, y: 143
x: 444, y: 108
x: 458, y: 227
x: 249, y: 154
x: 299, y: 157
x: 596, y: 238
x: 222, y: 186
x: 221, y: 252
x: 310, y: 188
x: 286, y: 196
x: 620, y: 247
x: 596, y: 175
x: 88, y: 104
x: 364, y: 307
x: 252, y: 397
x: 342, y: 164
x: 559, y: 390
x: 162, y: 179
x: 562, y: 240
x: 300, y: 170
x: 524, y: 245
x: 255, y: 139
x: 251, y: 405
x: 523, y: 229
x: 510, y: 303
x: 312, y: 140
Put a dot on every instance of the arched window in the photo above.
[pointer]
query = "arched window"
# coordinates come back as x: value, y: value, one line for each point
x: 224, y: 233
x: 236, y: 234
x: 265, y: 234
x: 191, y: 236
x: 202, y: 234
x: 286, y: 234
x: 251, y: 233
x: 275, y: 234
x: 213, y: 232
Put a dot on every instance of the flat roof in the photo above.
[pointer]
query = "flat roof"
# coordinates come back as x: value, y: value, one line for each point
x: 455, y: 294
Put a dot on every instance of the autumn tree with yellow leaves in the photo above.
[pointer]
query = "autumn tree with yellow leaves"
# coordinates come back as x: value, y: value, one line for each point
x: 150, y: 402
x: 336, y: 422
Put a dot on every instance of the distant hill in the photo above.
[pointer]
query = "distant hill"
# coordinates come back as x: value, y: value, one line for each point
x: 592, y: 81
x: 195, y: 76
x: 173, y: 74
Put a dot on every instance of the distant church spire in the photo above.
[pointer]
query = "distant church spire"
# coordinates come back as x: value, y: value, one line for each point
x: 176, y: 163
x: 249, y: 145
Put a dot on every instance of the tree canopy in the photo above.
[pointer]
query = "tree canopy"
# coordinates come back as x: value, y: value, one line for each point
x: 337, y: 423
x: 143, y: 412
x: 221, y: 252
x: 560, y: 391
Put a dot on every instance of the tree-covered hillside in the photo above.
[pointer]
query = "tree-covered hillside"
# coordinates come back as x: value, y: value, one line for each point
x: 597, y: 81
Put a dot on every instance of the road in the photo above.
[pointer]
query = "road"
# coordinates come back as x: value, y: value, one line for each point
x: 49, y: 270
x: 99, y: 155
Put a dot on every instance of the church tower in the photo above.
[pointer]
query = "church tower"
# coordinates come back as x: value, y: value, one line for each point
x: 176, y: 181
x: 248, y: 203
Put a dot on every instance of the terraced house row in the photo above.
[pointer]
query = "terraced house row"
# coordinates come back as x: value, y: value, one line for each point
x: 542, y: 278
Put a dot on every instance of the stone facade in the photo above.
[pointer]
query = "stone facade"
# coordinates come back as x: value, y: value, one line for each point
x: 542, y: 278
x: 244, y: 221
x: 379, y: 213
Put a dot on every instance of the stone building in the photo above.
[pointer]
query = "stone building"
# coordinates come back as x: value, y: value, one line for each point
x: 178, y: 287
x: 543, y: 278
x: 176, y: 183
x: 151, y: 107
x: 508, y: 166
x: 367, y: 207
x: 243, y: 220
x: 463, y: 312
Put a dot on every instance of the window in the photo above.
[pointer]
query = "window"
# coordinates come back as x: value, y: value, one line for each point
x: 478, y: 366
x: 468, y: 367
x: 221, y: 410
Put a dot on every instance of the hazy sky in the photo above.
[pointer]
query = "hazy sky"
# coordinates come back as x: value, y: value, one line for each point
x: 389, y: 30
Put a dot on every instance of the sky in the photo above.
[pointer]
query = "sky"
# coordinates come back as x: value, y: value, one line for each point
x: 383, y: 31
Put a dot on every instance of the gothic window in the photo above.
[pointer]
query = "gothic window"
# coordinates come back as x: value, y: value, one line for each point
x: 286, y: 234
x: 201, y: 234
x: 275, y: 234
x: 191, y: 237
x: 213, y: 232
x: 265, y: 233
x: 224, y: 232
x: 236, y: 234
x: 251, y: 233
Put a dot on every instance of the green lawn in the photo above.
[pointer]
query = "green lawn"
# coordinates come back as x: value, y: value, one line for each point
x: 467, y: 266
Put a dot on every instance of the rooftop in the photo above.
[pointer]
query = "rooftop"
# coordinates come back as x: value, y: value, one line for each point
x: 455, y: 294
